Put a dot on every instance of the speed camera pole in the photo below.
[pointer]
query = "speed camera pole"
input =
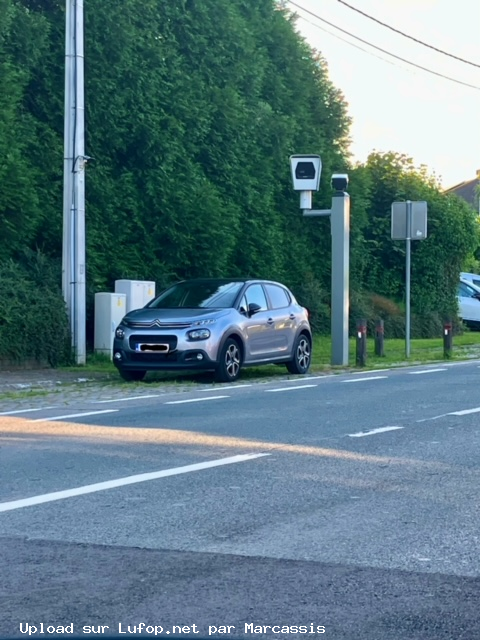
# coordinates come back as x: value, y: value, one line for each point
x: 306, y: 170
x: 340, y: 224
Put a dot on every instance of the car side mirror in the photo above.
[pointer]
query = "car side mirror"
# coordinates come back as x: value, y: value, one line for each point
x: 476, y: 295
x: 253, y: 308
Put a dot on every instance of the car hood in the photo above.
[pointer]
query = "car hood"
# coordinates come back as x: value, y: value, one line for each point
x: 174, y: 315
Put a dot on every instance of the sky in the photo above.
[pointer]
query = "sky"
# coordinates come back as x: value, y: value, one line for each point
x: 394, y: 106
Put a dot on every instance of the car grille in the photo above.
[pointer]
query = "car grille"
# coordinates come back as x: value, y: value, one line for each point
x: 156, y: 324
x: 153, y: 339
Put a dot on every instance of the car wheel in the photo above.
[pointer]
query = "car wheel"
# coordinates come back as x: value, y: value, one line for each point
x: 229, y: 363
x: 302, y: 355
x: 132, y: 375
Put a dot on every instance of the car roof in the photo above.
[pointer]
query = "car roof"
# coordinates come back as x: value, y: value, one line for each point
x: 243, y: 280
x: 470, y: 284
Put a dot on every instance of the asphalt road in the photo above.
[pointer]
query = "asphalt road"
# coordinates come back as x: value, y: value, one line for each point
x: 347, y: 502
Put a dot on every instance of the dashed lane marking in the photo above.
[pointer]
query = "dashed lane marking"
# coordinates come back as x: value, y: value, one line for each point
x: 417, y: 373
x: 358, y: 373
x: 11, y: 413
x: 303, y: 386
x: 234, y: 386
x: 76, y: 415
x: 362, y: 434
x: 464, y: 412
x: 157, y: 395
x: 196, y: 400
x: 365, y: 379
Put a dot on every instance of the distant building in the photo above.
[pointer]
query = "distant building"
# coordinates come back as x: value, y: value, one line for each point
x: 469, y: 191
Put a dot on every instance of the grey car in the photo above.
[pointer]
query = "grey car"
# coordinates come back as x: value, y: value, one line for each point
x: 215, y: 324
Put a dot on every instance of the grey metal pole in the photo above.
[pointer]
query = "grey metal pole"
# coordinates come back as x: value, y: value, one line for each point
x: 407, y: 278
x: 79, y: 189
x: 340, y: 226
x: 69, y: 116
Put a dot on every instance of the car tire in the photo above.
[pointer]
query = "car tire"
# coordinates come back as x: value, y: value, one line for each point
x: 132, y: 375
x: 302, y: 355
x: 229, y: 362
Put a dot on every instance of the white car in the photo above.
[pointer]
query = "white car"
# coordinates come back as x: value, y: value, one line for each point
x: 472, y: 278
x: 468, y: 302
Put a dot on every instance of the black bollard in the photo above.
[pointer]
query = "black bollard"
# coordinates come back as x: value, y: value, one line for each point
x: 379, y: 338
x: 361, y: 358
x: 447, y: 340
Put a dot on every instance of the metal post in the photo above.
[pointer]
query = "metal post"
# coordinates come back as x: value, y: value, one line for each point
x: 340, y: 226
x: 361, y: 351
x: 379, y: 338
x: 68, y: 159
x: 79, y: 190
x: 407, y: 277
x: 447, y: 339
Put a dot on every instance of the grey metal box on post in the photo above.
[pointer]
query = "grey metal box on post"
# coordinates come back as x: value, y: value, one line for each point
x: 418, y: 229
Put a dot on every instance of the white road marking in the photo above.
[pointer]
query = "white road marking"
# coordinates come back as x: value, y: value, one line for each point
x: 455, y: 364
x: 328, y: 375
x: 121, y: 482
x: 464, y: 412
x: 75, y: 415
x: 157, y: 395
x: 417, y: 373
x: 362, y: 434
x: 195, y: 400
x: 303, y: 386
x: 359, y: 373
x: 234, y: 386
x: 363, y: 379
x: 434, y: 418
x: 11, y: 413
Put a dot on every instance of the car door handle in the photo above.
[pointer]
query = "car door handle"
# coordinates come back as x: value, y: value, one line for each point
x: 270, y: 321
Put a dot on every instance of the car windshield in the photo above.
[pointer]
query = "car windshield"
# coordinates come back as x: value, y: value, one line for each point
x: 200, y: 294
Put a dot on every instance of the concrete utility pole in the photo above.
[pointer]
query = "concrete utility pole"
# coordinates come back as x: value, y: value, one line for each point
x: 73, y: 254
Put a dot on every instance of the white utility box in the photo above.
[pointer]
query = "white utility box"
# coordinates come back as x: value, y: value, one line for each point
x: 138, y: 292
x: 109, y: 311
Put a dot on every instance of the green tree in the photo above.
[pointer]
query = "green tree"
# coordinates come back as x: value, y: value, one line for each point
x: 437, y: 261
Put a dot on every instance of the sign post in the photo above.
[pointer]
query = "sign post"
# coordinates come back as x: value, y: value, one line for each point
x: 409, y: 222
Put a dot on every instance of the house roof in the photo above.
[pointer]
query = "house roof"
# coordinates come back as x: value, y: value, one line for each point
x: 467, y: 190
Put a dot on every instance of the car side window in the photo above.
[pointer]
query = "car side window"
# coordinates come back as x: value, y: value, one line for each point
x: 256, y: 294
x: 465, y: 291
x: 279, y: 298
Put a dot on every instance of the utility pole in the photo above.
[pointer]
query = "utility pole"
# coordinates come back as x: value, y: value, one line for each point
x: 73, y: 253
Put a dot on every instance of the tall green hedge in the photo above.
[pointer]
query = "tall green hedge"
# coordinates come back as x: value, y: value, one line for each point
x: 33, y: 320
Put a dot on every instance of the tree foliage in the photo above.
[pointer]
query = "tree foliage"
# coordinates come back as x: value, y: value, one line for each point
x: 192, y: 110
x: 453, y: 233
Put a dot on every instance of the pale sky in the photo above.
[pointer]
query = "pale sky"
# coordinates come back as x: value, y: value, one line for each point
x: 394, y: 106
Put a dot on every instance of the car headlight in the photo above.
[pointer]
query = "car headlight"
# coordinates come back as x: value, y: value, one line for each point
x: 198, y: 334
x: 119, y: 333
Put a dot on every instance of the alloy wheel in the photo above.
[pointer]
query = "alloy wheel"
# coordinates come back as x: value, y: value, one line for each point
x: 303, y: 353
x: 232, y: 360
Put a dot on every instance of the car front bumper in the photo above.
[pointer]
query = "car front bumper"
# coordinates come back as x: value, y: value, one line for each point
x: 192, y: 358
